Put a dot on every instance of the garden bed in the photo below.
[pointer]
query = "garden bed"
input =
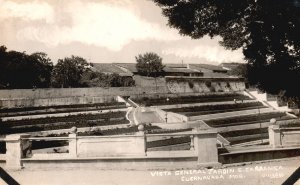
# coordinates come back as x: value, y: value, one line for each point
x: 22, y: 111
x: 190, y: 99
x: 169, y: 141
x: 244, y: 132
x: 248, y: 119
x: 212, y: 109
x: 70, y: 118
x: 56, y: 123
x: 61, y: 125
x: 249, y: 138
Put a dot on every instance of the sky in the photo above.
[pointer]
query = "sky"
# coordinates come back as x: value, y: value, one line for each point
x: 102, y: 31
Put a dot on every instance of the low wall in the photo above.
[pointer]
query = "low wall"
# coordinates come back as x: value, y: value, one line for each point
x: 76, y: 92
x: 132, y: 148
x: 69, y: 96
x: 111, y: 146
x: 66, y: 96
x: 281, y: 137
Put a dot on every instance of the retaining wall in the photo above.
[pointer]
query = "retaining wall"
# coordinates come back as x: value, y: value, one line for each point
x: 68, y: 96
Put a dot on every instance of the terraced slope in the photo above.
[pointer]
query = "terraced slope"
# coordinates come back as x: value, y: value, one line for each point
x: 21, y: 111
x: 247, y: 119
x: 213, y: 109
x: 191, y: 99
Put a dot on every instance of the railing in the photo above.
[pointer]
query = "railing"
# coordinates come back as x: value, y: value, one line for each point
x: 284, y: 137
x: 201, y: 144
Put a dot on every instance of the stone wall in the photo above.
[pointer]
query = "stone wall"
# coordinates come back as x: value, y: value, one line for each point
x: 204, y: 85
x: 67, y: 96
x: 75, y: 92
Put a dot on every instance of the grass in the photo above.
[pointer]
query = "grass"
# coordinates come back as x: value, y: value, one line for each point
x: 250, y: 138
x: 220, y: 111
x: 248, y: 119
x: 71, y: 118
x: 169, y: 141
x: 297, y: 124
x: 22, y: 126
x: 211, y: 109
x: 244, y: 132
x: 62, y: 125
x: 59, y: 109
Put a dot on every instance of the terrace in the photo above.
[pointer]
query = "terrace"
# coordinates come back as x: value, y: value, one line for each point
x: 217, y: 108
x: 37, y: 119
x: 205, y: 98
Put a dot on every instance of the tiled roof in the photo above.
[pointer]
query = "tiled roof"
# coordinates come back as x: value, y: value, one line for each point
x: 176, y: 65
x: 129, y: 66
x: 180, y: 70
x: 109, y: 68
x: 207, y: 66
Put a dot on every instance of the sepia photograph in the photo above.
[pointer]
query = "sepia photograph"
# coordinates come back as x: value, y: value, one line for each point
x: 154, y: 92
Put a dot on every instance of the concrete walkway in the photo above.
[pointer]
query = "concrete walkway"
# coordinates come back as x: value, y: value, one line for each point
x: 262, y: 173
x: 145, y: 116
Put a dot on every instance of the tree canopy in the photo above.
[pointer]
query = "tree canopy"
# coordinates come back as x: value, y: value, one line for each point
x: 68, y: 71
x: 149, y: 64
x: 266, y: 30
x: 96, y: 79
x: 20, y: 70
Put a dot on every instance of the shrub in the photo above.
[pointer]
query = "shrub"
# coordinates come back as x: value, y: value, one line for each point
x: 191, y: 85
x: 208, y: 83
x: 212, y: 89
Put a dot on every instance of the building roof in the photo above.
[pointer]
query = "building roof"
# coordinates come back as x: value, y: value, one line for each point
x: 207, y: 67
x: 231, y: 66
x: 180, y: 70
x: 127, y: 69
x: 176, y: 65
x: 215, y: 75
x: 128, y: 66
x: 109, y: 68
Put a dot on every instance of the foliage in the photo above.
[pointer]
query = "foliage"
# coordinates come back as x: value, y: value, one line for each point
x: 68, y: 71
x: 240, y: 70
x: 149, y: 64
x: 20, y: 70
x: 96, y: 79
x: 266, y: 30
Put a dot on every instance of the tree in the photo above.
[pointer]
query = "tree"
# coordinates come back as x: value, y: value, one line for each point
x: 96, y: 79
x: 149, y: 64
x: 19, y: 70
x: 266, y: 30
x: 240, y: 70
x: 68, y: 72
x: 43, y: 67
